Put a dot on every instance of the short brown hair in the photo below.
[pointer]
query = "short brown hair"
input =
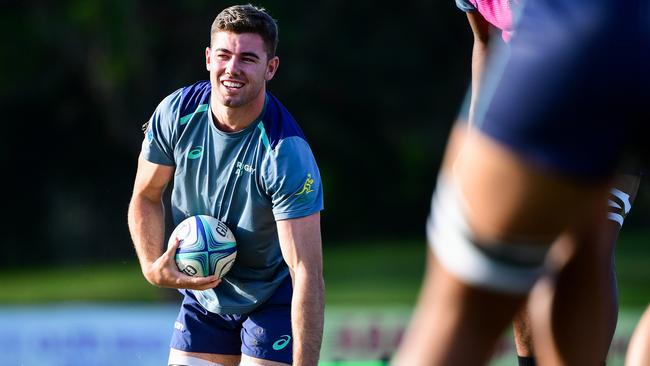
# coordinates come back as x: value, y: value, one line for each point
x: 248, y: 19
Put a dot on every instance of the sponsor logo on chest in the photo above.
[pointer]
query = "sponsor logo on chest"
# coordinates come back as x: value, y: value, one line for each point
x: 240, y: 167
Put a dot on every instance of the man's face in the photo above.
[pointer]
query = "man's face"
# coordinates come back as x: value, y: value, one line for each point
x: 239, y: 68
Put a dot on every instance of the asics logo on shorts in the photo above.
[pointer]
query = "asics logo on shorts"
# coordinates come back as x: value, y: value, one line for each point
x: 282, y: 342
x: 179, y: 326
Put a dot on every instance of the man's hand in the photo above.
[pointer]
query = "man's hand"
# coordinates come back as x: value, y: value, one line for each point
x: 163, y: 272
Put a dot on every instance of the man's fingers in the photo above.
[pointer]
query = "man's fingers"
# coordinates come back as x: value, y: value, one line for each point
x: 202, y: 283
x: 171, y: 249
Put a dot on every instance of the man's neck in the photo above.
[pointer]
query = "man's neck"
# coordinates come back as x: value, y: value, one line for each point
x: 229, y: 119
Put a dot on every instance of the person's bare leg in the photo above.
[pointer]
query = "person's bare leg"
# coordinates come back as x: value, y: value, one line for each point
x: 575, y: 312
x: 580, y: 308
x: 584, y: 306
x: 508, y: 200
x: 180, y: 358
x: 638, y: 351
x: 439, y: 319
x: 523, y: 333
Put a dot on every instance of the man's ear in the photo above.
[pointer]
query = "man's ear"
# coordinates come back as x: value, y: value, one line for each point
x: 207, y: 58
x: 272, y: 67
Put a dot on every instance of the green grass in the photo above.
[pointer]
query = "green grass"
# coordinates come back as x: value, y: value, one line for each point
x: 355, y: 273
x: 365, y: 277
x: 381, y: 272
x: 374, y: 272
x: 633, y: 269
x: 92, y: 283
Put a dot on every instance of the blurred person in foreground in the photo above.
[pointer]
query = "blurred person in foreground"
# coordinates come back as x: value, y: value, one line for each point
x: 235, y: 153
x: 558, y: 113
x: 585, y: 303
x: 638, y: 352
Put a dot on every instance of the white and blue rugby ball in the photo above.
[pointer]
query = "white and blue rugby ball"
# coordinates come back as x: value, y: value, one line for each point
x: 207, y: 246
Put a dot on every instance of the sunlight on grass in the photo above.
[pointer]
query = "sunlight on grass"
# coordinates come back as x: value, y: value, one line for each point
x: 371, y: 272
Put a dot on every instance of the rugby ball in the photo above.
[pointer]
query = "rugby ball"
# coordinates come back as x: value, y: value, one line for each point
x: 207, y: 246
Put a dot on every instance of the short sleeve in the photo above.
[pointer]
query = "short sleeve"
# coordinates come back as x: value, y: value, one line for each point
x: 157, y: 146
x: 293, y: 180
x: 466, y: 5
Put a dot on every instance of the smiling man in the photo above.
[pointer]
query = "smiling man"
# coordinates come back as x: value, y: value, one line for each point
x: 235, y: 153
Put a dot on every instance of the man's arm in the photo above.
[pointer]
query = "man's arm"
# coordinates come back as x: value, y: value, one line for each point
x: 147, y: 228
x: 481, y: 31
x: 300, y: 241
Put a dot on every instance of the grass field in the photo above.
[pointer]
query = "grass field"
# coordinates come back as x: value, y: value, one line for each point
x: 368, y: 273
x: 368, y: 283
x: 359, y: 273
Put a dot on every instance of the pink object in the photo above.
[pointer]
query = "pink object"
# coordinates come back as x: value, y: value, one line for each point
x: 498, y: 13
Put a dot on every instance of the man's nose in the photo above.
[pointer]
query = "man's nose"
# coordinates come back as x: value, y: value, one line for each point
x: 232, y: 67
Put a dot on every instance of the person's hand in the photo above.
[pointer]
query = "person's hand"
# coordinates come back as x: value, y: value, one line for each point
x: 163, y: 272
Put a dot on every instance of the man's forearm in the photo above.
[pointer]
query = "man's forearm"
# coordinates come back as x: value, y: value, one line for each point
x: 146, y: 225
x: 307, y: 312
x: 479, y: 59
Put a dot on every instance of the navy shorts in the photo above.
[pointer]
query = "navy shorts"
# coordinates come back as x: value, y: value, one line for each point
x: 264, y: 333
x: 570, y: 92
